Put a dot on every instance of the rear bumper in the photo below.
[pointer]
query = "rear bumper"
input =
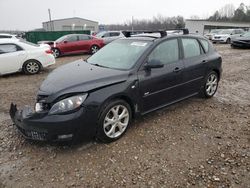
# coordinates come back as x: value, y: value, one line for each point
x: 44, y: 127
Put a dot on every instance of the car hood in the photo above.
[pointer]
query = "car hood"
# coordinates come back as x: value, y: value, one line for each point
x: 80, y: 76
x: 221, y: 35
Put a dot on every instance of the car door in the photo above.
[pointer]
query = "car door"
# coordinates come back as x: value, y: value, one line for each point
x: 195, y: 65
x: 84, y: 43
x: 11, y: 58
x: 70, y: 44
x: 161, y: 86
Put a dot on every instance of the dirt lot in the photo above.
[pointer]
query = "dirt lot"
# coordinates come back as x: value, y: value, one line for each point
x: 196, y: 143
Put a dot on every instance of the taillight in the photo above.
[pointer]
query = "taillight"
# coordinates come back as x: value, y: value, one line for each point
x: 48, y: 52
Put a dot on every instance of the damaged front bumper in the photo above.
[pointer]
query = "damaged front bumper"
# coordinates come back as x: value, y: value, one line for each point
x: 44, y: 127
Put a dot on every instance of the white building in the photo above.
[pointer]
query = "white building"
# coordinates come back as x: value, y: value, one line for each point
x: 70, y: 24
x: 204, y: 26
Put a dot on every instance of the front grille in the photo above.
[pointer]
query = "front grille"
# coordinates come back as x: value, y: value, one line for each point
x: 34, y: 134
x: 217, y: 37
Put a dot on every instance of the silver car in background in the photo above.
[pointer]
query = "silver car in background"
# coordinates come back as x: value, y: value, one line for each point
x: 109, y: 36
x: 226, y: 35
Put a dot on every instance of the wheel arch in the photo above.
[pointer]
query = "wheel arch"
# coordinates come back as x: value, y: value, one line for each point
x: 40, y: 64
x: 123, y: 97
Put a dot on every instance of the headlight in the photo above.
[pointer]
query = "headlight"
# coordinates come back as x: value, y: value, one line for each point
x: 68, y: 104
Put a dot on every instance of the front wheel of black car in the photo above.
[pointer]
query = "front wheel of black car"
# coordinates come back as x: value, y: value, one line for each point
x: 114, y: 120
x: 210, y: 85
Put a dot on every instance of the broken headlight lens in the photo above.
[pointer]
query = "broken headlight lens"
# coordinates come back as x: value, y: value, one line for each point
x: 68, y: 104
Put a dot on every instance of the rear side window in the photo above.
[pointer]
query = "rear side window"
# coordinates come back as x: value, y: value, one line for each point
x: 72, y: 38
x: 114, y: 34
x: 167, y: 52
x: 5, y: 37
x: 191, y: 47
x: 106, y: 35
x: 205, y: 45
x: 84, y: 37
x: 8, y: 48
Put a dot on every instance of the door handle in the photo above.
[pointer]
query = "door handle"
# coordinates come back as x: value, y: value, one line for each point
x: 204, y: 61
x: 177, y: 69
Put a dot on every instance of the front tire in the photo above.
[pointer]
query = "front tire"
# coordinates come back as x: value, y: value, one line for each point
x: 210, y: 85
x: 228, y: 41
x: 31, y: 67
x: 114, y: 120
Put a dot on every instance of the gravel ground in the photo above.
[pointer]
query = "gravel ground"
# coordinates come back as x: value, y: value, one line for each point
x: 195, y: 143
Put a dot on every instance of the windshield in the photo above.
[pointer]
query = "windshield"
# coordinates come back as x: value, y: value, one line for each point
x: 120, y: 54
x: 215, y: 31
x: 226, y: 32
x: 61, y: 39
x: 247, y: 34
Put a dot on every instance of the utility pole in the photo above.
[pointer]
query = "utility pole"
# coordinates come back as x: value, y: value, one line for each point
x: 51, y: 28
x: 132, y: 23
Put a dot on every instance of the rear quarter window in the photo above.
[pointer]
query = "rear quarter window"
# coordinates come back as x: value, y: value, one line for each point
x: 205, y: 45
x: 191, y: 47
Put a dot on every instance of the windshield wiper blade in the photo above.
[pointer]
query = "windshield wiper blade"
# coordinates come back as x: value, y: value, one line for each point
x: 98, y: 65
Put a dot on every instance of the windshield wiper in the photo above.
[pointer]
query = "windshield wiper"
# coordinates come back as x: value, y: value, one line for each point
x: 98, y: 65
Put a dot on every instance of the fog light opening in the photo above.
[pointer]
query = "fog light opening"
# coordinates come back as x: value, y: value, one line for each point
x: 65, y: 136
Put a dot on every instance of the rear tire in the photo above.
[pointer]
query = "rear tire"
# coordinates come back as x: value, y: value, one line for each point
x: 94, y: 49
x: 210, y: 85
x: 56, y: 52
x: 113, y: 121
x: 31, y: 67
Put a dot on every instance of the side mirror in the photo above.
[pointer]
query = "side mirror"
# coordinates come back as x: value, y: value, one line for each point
x: 153, y: 64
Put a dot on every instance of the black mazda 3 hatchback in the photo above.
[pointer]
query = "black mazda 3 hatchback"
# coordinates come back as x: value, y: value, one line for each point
x: 98, y: 98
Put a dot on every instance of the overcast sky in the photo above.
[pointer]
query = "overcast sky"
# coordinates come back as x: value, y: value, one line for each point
x: 29, y: 14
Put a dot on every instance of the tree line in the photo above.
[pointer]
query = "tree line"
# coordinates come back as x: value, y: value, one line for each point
x: 226, y: 13
x: 229, y: 13
x: 156, y: 23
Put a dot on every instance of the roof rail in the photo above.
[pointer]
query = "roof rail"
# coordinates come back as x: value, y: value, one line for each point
x: 184, y: 30
x: 130, y: 33
x: 163, y: 33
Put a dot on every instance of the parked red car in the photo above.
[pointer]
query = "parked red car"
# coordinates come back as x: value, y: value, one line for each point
x: 75, y: 44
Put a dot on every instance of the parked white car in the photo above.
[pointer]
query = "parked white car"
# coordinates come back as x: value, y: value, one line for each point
x: 21, y: 56
x: 8, y: 36
x: 226, y: 35
x: 212, y: 33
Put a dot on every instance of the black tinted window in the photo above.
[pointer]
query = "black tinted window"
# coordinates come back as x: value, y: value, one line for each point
x: 191, y: 48
x: 205, y: 45
x: 166, y: 52
x: 8, y: 48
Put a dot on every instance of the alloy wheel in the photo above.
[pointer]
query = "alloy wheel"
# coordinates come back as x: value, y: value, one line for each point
x: 94, y: 49
x: 116, y: 121
x: 211, y: 84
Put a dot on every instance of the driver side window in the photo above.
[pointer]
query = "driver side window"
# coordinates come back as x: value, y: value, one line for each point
x: 167, y: 52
